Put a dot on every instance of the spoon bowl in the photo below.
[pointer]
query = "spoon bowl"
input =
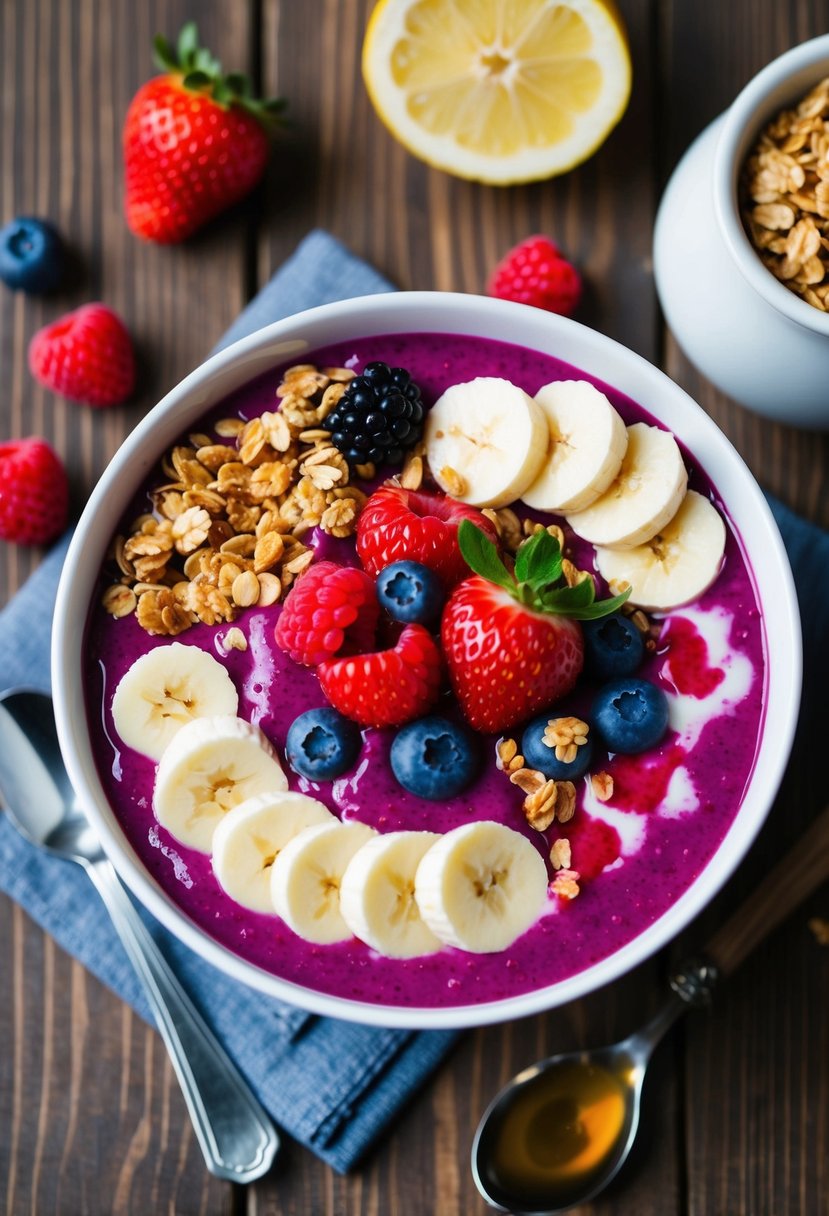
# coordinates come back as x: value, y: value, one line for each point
x: 237, y: 1139
x: 561, y: 1130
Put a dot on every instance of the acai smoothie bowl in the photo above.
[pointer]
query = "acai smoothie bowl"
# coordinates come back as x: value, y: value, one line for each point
x: 426, y: 660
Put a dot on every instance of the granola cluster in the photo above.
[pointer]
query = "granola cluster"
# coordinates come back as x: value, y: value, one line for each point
x: 785, y: 197
x: 546, y: 800
x: 566, y: 736
x: 227, y: 526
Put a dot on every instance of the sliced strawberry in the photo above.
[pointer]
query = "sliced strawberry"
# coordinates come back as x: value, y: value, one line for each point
x: 331, y: 610
x: 398, y: 524
x: 389, y: 687
x: 512, y: 641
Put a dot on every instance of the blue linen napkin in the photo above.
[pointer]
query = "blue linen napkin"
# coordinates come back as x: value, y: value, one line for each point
x: 332, y: 1085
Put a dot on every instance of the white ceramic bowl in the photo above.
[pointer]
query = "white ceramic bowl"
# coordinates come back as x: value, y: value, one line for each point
x: 457, y: 314
x: 757, y: 341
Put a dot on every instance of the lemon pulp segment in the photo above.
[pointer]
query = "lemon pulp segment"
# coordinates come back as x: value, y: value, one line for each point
x: 497, y: 90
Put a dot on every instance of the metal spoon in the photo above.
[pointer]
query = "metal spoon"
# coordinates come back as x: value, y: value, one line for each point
x: 235, y: 1134
x: 556, y: 1135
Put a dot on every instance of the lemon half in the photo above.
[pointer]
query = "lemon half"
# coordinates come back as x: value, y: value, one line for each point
x: 500, y: 91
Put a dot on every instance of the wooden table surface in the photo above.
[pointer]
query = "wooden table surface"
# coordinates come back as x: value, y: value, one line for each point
x: 91, y: 1120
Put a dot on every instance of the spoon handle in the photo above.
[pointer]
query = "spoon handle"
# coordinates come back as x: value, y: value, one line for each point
x: 791, y: 881
x: 235, y: 1134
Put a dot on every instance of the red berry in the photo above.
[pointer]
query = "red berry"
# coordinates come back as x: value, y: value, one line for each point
x: 86, y: 355
x: 195, y: 142
x: 398, y: 524
x: 534, y: 272
x: 506, y: 661
x: 34, y: 492
x: 389, y: 687
x: 331, y: 609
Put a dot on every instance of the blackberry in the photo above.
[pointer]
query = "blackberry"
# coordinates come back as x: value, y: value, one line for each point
x: 378, y: 417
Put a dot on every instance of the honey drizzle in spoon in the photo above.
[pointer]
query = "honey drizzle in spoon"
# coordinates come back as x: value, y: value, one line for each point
x: 558, y: 1132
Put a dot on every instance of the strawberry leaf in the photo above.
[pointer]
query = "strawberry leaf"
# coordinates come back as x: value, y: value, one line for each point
x: 196, y: 80
x: 537, y: 582
x: 202, y: 72
x: 600, y: 608
x: 538, y: 561
x: 164, y: 55
x: 188, y: 43
x: 481, y: 556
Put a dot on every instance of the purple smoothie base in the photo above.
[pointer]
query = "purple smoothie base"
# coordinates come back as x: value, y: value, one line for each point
x: 612, y: 908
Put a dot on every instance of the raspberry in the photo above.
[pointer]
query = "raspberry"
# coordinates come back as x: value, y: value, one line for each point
x: 86, y: 355
x: 389, y: 687
x: 34, y: 492
x: 331, y: 609
x: 398, y: 524
x: 534, y: 272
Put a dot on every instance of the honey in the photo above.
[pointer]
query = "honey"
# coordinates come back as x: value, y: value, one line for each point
x: 556, y: 1134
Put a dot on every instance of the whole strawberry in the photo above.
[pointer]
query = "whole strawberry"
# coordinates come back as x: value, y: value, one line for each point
x: 195, y: 142
x: 34, y: 492
x: 512, y: 641
x: 86, y: 355
x: 535, y: 272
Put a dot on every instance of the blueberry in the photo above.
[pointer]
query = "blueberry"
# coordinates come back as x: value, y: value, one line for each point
x: 410, y: 592
x: 631, y: 715
x: 434, y: 758
x: 32, y: 255
x: 613, y: 646
x: 321, y: 744
x: 538, y: 755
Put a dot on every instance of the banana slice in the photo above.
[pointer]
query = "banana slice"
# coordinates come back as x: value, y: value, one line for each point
x: 644, y: 496
x: 675, y: 566
x: 377, y: 898
x: 306, y: 877
x: 486, y: 441
x: 166, y: 688
x: 252, y: 835
x: 588, y: 440
x: 211, y: 765
x: 481, y: 886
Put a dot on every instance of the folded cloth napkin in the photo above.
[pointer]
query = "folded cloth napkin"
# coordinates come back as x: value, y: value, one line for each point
x: 332, y: 1085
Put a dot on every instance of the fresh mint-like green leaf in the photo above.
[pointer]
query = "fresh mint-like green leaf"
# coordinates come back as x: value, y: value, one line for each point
x: 580, y: 603
x: 481, y: 556
x: 566, y: 600
x: 538, y: 562
x: 600, y: 608
x: 274, y: 105
x: 188, y: 43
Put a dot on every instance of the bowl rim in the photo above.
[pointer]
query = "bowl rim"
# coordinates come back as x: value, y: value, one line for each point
x: 766, y: 93
x: 428, y: 312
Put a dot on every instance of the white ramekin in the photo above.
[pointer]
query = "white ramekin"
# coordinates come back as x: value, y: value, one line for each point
x: 756, y: 340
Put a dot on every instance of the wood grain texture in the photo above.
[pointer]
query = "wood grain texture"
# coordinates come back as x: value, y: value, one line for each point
x: 90, y: 1117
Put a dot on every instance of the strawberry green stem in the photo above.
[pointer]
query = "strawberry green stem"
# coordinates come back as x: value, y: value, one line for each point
x: 201, y: 72
x: 538, y: 580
